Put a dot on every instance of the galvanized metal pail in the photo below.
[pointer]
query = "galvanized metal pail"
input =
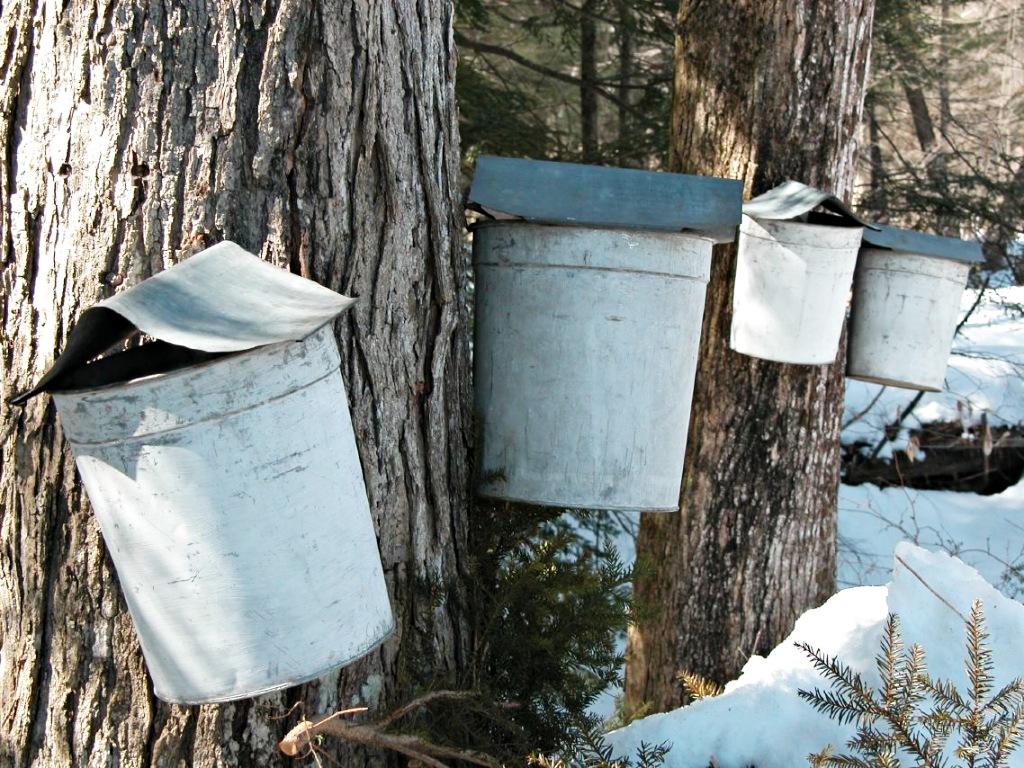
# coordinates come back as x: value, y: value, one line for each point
x: 792, y: 283
x: 904, y: 315
x: 231, y: 498
x: 229, y: 491
x: 585, y: 355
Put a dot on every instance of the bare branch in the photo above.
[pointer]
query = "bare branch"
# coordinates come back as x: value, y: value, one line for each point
x: 422, y: 701
x: 300, y: 740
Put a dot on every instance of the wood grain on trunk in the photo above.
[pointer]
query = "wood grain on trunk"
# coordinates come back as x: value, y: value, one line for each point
x: 766, y: 90
x: 321, y: 136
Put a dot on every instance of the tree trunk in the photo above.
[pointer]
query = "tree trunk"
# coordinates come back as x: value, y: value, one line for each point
x: 878, y: 185
x: 766, y: 90
x: 589, y: 126
x: 949, y: 219
x: 624, y: 37
x: 319, y: 135
x: 924, y: 127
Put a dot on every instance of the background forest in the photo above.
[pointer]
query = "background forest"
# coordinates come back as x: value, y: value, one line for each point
x: 591, y: 81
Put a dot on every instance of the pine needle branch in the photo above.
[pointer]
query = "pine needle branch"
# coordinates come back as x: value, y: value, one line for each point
x: 892, y: 721
x: 697, y: 686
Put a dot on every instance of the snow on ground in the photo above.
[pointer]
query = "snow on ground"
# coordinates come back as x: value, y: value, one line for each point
x: 987, y: 532
x: 985, y: 375
x: 760, y: 720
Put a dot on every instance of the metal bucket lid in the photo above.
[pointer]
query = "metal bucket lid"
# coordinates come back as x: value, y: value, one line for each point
x: 935, y: 246
x: 792, y: 200
x: 587, y: 195
x: 219, y: 301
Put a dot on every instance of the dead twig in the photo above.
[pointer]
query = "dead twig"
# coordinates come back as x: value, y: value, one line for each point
x: 415, y: 704
x: 301, y: 739
x: 930, y: 588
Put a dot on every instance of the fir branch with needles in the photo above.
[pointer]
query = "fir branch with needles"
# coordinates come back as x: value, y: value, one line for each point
x: 914, y: 716
x: 697, y: 686
x: 590, y: 750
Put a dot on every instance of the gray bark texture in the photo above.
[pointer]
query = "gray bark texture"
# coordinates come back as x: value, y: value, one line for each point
x: 320, y: 135
x: 766, y: 90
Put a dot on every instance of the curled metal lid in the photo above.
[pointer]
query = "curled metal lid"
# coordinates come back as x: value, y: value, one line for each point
x: 588, y: 195
x: 936, y: 246
x: 224, y: 299
x: 792, y: 199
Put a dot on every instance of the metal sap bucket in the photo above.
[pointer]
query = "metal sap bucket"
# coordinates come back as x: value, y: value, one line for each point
x: 587, y: 325
x: 906, y: 302
x: 793, y: 276
x: 229, y: 492
x: 584, y: 361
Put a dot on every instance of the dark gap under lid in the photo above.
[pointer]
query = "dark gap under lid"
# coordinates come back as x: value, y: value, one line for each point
x: 222, y: 300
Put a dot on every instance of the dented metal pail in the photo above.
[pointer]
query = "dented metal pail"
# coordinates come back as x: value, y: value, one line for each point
x: 905, y: 310
x: 792, y: 283
x: 585, y: 355
x: 221, y: 463
x: 231, y: 498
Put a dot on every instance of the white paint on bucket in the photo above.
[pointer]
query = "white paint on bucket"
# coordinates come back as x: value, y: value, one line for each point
x: 231, y: 498
x: 905, y: 310
x: 791, y: 289
x: 584, y: 360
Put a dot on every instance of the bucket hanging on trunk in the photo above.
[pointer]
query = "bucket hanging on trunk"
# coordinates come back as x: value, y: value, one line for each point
x: 221, y: 463
x: 587, y: 325
x: 794, y: 267
x: 906, y: 300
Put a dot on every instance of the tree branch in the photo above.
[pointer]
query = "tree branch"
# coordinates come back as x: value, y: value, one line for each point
x: 507, y: 53
x: 301, y: 739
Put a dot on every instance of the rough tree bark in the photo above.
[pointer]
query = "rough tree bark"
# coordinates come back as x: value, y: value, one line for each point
x: 766, y: 90
x: 321, y: 135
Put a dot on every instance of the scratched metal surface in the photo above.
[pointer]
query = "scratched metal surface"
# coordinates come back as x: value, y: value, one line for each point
x: 587, y: 195
x: 231, y: 499
x: 578, y: 334
x: 903, y: 318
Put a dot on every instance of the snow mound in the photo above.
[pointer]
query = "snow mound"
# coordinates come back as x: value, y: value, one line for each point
x: 986, y: 532
x: 759, y: 720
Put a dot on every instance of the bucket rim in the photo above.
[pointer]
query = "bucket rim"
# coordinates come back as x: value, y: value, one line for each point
x: 900, y: 253
x: 811, y: 238
x: 542, y: 500
x: 818, y: 224
x: 889, y: 381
